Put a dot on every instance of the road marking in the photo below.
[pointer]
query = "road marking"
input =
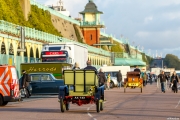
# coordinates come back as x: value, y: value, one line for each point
x: 88, y: 110
x: 89, y: 113
x: 177, y: 104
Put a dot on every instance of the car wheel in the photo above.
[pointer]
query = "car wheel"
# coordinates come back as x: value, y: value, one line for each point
x: 97, y: 106
x: 27, y: 94
x: 1, y: 101
x: 5, y: 103
x: 62, y: 105
x: 67, y: 106
x: 111, y: 84
x: 101, y: 106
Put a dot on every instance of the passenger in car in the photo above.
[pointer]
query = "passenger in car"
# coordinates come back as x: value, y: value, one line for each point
x: 76, y: 66
x: 108, y: 80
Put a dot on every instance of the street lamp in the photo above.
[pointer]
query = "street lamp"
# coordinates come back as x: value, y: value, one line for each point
x: 162, y: 63
x: 22, y: 33
x: 136, y: 51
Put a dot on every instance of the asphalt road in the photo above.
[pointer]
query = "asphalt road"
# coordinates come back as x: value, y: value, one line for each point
x: 132, y: 105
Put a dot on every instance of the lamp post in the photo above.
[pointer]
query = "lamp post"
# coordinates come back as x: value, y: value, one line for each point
x: 136, y: 52
x: 162, y: 63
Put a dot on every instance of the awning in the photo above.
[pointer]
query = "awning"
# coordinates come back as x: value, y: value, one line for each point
x: 129, y: 62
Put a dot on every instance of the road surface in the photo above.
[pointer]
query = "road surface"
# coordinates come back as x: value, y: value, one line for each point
x: 132, y: 105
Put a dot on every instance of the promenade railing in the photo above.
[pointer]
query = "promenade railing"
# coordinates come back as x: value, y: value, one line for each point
x: 36, y: 35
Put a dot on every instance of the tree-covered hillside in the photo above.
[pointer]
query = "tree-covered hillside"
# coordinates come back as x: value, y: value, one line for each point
x: 39, y: 19
x: 116, y: 47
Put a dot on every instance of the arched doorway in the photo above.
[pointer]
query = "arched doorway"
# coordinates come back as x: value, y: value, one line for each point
x: 3, y: 48
x: 18, y: 53
x: 32, y: 60
x: 11, y: 50
x: 37, y: 53
x: 25, y: 53
x: 3, y: 58
x: 31, y: 52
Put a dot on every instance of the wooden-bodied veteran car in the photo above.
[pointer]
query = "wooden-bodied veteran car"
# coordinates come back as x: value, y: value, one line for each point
x: 133, y: 80
x: 81, y: 87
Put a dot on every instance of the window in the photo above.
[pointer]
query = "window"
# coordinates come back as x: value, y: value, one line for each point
x: 46, y: 78
x: 54, y: 48
x: 35, y: 77
x: 91, y: 37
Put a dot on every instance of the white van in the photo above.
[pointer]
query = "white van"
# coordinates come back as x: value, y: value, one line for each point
x: 113, y: 71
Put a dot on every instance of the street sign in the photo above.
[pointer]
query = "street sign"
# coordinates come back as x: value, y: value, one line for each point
x: 21, y: 50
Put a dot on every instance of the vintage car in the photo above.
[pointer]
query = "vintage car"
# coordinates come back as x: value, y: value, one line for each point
x: 81, y: 87
x: 43, y: 84
x: 133, y: 80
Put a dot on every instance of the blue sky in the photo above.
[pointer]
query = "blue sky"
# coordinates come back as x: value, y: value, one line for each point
x: 150, y: 24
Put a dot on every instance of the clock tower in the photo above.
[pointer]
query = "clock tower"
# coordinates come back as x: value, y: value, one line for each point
x: 91, y: 24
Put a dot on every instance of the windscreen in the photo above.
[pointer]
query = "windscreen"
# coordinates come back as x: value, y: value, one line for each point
x: 54, y: 48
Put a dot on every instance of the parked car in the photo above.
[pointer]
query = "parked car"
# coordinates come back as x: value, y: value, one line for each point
x: 44, y: 83
x: 113, y: 82
x: 113, y: 71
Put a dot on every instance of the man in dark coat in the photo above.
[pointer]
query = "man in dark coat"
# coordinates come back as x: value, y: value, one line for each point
x: 119, y: 78
x: 163, y: 79
x: 102, y: 78
x: 89, y: 67
x: 137, y: 69
x: 23, y: 82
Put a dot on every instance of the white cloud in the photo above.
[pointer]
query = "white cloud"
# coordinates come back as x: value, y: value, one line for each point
x: 148, y: 19
x: 172, y: 15
x: 152, y: 24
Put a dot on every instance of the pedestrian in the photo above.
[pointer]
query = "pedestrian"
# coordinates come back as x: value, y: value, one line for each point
x: 102, y: 78
x: 119, y: 78
x: 174, y: 81
x: 108, y: 80
x: 163, y: 79
x: 25, y: 83
x: 137, y: 69
x: 76, y: 66
x: 150, y: 78
x: 144, y: 76
x: 89, y: 66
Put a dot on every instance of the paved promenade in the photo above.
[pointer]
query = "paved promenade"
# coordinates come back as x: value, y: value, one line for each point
x: 132, y: 105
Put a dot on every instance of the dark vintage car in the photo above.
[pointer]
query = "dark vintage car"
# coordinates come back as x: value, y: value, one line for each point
x: 44, y: 84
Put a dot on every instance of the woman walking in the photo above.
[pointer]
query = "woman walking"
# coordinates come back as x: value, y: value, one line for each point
x: 174, y: 81
x: 108, y: 80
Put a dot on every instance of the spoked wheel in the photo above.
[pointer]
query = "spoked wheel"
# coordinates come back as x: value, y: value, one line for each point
x: 27, y: 93
x: 98, y: 106
x: 62, y: 105
x: 111, y: 84
x: 67, y: 106
x: 101, y: 106
x: 141, y: 90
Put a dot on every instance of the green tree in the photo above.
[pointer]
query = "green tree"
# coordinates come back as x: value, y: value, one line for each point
x: 116, y: 47
x: 172, y: 61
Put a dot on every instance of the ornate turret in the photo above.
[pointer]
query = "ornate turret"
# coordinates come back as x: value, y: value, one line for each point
x: 90, y: 25
x: 91, y: 15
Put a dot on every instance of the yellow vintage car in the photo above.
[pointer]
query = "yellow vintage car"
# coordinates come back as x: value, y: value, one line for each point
x: 81, y: 87
x: 133, y: 80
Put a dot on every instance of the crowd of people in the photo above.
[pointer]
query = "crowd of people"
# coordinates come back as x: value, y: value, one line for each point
x: 105, y: 80
x: 163, y: 78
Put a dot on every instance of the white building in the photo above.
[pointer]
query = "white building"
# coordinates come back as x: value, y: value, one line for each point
x: 60, y: 8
